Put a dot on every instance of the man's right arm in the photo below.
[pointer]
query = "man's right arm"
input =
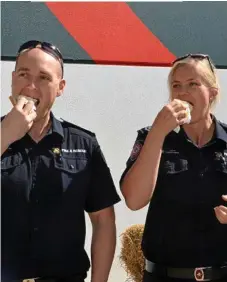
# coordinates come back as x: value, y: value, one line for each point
x: 5, y: 142
x: 16, y: 123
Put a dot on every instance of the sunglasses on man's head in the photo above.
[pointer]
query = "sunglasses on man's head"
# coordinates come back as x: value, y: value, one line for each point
x: 195, y: 56
x: 48, y: 47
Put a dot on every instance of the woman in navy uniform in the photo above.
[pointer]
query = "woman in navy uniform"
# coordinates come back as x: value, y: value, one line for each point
x: 182, y: 174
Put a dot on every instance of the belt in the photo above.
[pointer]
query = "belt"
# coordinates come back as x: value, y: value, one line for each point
x: 43, y: 279
x: 37, y: 279
x: 198, y: 273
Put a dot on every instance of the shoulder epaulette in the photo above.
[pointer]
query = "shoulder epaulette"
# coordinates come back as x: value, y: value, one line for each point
x: 144, y: 130
x: 224, y: 125
x: 73, y: 126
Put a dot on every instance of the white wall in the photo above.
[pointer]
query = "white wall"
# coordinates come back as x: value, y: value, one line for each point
x: 114, y: 102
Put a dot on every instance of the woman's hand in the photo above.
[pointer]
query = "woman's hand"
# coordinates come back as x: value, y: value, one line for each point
x: 221, y: 212
x: 171, y: 116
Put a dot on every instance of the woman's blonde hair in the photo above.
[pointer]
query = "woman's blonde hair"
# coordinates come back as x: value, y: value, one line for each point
x: 208, y: 74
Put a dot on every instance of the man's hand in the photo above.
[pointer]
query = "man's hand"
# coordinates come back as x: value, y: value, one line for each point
x: 18, y: 121
x: 221, y: 212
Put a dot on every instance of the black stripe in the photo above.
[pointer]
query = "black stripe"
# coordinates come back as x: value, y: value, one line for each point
x: 111, y: 63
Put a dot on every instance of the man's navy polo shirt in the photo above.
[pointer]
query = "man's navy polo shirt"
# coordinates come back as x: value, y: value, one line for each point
x: 46, y: 187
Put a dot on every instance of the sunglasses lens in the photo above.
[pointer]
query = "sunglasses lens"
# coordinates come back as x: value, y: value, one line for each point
x: 45, y: 45
x: 180, y: 59
x: 195, y: 56
x: 53, y: 48
x: 27, y: 45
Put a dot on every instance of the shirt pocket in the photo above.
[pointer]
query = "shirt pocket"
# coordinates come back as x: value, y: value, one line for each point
x: 70, y: 165
x: 10, y: 163
x: 220, y: 170
x: 70, y: 172
x: 220, y: 165
x: 13, y: 174
x: 173, y: 177
x: 173, y: 163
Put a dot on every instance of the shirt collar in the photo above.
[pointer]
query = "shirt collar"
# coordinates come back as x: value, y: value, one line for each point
x: 56, y: 126
x: 219, y: 132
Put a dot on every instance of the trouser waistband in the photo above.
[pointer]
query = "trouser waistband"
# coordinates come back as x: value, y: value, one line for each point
x: 198, y: 273
x: 43, y: 279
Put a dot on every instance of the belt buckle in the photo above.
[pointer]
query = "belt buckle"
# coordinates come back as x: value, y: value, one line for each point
x: 199, y: 274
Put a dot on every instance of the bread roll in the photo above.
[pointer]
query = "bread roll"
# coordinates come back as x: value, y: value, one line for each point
x: 14, y: 100
x: 188, y: 115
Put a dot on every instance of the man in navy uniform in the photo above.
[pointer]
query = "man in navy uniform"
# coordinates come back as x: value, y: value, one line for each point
x: 52, y: 171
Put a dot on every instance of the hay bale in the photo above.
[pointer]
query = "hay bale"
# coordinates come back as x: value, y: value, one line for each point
x: 131, y: 256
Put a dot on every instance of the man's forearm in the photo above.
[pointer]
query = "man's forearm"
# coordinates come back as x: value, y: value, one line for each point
x: 4, y: 141
x: 102, y: 250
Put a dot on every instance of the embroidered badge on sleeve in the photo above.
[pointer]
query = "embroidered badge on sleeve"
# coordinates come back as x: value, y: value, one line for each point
x: 136, y: 150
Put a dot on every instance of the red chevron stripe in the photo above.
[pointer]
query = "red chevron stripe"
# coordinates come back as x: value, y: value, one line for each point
x: 110, y: 32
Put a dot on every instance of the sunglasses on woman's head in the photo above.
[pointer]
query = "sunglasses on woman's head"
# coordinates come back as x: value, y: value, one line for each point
x: 48, y: 47
x: 195, y: 56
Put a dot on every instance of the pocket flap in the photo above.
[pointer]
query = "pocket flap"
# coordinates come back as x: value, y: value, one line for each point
x: 175, y: 166
x: 12, y: 161
x: 70, y: 165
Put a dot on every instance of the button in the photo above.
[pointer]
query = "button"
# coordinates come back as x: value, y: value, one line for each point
x: 36, y: 229
x: 201, y: 174
x: 37, y: 201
